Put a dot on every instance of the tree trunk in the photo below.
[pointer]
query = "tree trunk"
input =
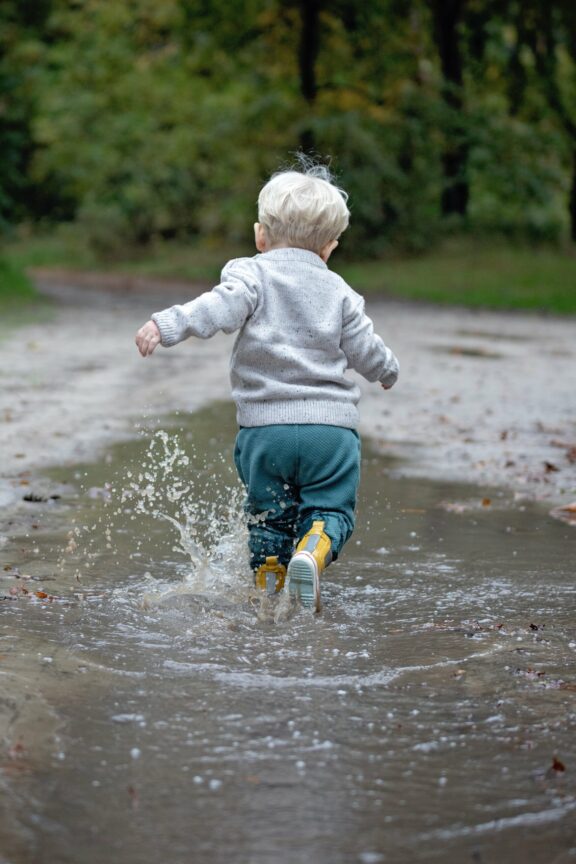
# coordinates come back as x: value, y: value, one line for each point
x: 447, y: 15
x: 542, y: 39
x: 572, y: 202
x: 307, y: 57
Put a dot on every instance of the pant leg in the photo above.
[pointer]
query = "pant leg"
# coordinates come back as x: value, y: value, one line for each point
x: 328, y: 478
x: 264, y: 457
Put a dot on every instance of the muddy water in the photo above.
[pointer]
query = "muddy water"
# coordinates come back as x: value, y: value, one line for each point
x: 156, y: 711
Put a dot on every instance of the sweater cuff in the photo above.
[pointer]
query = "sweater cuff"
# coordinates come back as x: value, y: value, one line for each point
x: 166, y: 323
x: 390, y: 377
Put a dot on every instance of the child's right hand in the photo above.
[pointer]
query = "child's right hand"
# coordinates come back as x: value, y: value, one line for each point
x: 148, y: 338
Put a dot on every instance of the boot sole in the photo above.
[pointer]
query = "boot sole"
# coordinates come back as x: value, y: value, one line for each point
x: 303, y: 580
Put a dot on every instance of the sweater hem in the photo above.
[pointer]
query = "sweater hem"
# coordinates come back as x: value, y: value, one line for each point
x: 298, y: 412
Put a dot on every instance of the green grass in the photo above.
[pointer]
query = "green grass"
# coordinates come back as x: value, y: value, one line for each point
x: 14, y: 284
x: 20, y: 303
x: 476, y: 273
x: 488, y: 276
x: 67, y: 249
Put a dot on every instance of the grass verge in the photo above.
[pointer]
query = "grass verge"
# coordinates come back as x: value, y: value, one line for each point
x: 20, y: 302
x: 494, y: 277
x: 474, y: 273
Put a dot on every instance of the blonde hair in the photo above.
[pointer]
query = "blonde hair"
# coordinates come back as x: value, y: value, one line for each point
x: 303, y: 208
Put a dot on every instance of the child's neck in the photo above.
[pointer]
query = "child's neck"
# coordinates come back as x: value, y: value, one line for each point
x: 324, y: 253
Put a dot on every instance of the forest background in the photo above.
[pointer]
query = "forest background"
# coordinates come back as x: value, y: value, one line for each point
x: 137, y: 133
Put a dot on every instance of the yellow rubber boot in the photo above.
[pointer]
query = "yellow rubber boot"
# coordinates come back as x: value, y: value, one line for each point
x: 270, y: 576
x: 313, y: 554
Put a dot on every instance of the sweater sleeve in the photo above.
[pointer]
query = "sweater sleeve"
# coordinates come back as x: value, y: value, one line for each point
x: 364, y: 349
x: 226, y: 307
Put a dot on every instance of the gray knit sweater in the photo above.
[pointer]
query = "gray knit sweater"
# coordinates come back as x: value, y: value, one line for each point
x: 301, y: 327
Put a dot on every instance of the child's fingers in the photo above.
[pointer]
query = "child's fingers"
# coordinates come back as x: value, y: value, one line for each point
x: 152, y: 344
x: 147, y: 339
x: 147, y: 346
x: 142, y: 343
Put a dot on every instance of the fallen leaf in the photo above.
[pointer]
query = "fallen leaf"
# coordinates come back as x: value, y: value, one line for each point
x: 41, y: 594
x: 549, y: 467
x: 486, y: 502
x: 531, y: 674
x: 557, y: 765
x: 16, y: 751
x: 134, y: 799
x: 567, y: 513
x: 569, y: 448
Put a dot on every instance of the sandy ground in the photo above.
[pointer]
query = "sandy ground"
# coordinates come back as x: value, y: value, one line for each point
x: 483, y: 397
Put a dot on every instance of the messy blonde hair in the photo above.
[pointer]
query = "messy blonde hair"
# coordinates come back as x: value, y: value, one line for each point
x: 303, y: 207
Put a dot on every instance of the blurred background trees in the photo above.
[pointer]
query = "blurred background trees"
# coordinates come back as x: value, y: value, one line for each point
x: 146, y: 119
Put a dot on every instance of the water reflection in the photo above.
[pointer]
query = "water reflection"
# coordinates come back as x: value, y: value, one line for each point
x: 169, y: 717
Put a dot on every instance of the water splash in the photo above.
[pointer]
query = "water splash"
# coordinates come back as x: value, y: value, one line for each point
x: 169, y: 483
x: 205, y: 511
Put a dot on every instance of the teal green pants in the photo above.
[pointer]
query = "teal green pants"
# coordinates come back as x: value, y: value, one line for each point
x: 295, y: 474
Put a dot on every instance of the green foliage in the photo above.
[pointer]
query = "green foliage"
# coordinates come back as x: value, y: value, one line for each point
x: 517, y: 176
x: 21, y: 54
x: 145, y: 121
x: 167, y: 153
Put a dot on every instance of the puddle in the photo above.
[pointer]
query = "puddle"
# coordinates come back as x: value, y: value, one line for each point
x: 427, y: 715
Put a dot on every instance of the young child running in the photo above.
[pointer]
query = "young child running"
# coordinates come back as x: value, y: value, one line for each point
x: 300, y: 328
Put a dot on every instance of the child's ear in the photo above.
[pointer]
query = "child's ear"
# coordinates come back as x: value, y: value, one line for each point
x: 260, y: 237
x: 328, y: 249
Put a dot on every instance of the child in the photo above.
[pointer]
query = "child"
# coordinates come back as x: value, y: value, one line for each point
x: 300, y: 327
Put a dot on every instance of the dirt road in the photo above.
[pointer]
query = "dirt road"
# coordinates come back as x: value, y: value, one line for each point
x: 483, y: 397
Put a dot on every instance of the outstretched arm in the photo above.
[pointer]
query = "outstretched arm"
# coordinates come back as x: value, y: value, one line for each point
x: 225, y: 308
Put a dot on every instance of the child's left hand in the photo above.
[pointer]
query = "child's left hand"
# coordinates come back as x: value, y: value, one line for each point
x: 148, y: 338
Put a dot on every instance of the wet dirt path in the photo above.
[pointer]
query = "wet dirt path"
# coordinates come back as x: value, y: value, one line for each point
x: 427, y: 715
x: 483, y: 397
x: 431, y: 707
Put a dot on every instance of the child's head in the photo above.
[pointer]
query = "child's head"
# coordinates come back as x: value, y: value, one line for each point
x: 303, y: 209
